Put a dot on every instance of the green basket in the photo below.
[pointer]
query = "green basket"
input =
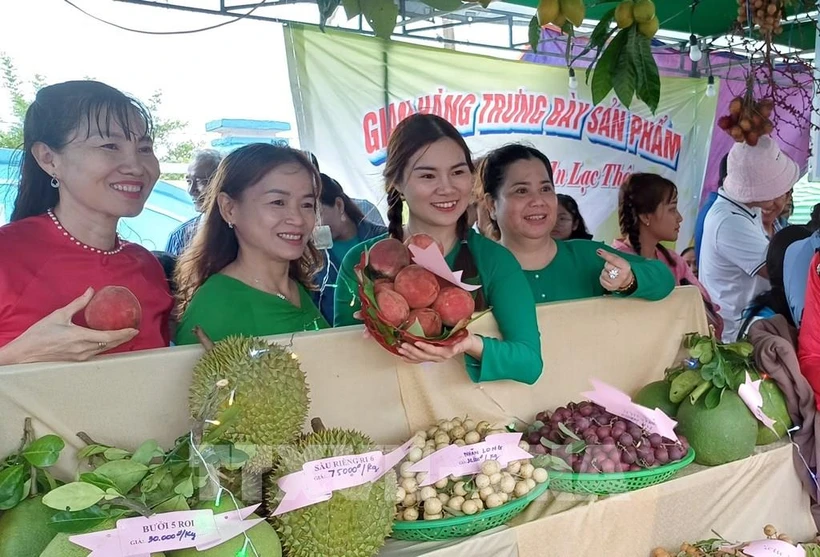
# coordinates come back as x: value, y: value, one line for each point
x: 608, y: 484
x: 461, y: 526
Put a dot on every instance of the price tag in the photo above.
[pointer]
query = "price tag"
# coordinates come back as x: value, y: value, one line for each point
x: 619, y: 404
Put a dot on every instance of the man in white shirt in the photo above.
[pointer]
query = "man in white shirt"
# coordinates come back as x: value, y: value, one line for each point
x: 734, y: 245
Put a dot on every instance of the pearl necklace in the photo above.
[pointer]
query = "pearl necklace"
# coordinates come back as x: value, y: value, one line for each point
x: 79, y: 243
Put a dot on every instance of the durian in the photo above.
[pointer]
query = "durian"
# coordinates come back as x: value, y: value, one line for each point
x: 354, y: 522
x: 270, y: 390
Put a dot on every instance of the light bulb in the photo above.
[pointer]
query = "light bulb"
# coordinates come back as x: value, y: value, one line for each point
x: 694, y: 50
x: 573, y: 81
x: 710, y: 87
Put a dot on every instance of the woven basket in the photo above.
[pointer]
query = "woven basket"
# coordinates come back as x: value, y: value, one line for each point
x: 608, y: 484
x: 462, y: 526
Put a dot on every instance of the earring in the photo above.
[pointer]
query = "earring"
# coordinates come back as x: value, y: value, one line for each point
x: 55, y: 183
x: 230, y: 225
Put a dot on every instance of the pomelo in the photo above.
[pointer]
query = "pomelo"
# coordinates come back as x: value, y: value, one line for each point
x: 656, y: 395
x: 719, y: 435
x: 61, y: 546
x: 774, y: 406
x: 24, y: 530
x: 263, y: 536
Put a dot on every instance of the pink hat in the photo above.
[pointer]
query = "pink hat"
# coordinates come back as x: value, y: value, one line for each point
x: 760, y: 173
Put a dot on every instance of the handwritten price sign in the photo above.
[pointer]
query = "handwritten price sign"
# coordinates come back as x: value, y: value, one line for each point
x: 463, y: 461
x: 318, y: 479
x: 619, y: 404
x: 773, y: 548
x: 141, y: 536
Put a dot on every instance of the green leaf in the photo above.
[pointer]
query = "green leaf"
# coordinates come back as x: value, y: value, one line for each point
x: 125, y: 474
x: 602, y: 73
x: 550, y: 445
x: 534, y: 33
x: 712, y: 398
x: 152, y: 481
x: 415, y: 329
x: 12, y: 486
x: 91, y: 450
x: 444, y: 5
x: 577, y: 447
x: 79, y: 521
x: 567, y: 431
x: 175, y: 503
x: 44, y: 452
x: 650, y: 92
x: 599, y: 35
x: 185, y: 487
x: 229, y: 456
x: 75, y: 496
x: 116, y: 454
x: 352, y: 8
x: 95, y: 479
x: 719, y: 381
x: 147, y: 452
x: 225, y: 419
x: 624, y: 78
x: 381, y: 16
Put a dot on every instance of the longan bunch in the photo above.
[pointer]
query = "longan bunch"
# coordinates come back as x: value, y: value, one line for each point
x: 748, y: 119
x: 717, y: 547
x: 766, y: 14
x: 458, y: 496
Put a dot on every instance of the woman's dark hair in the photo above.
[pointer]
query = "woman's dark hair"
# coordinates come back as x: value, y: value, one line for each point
x: 60, y: 113
x: 775, y: 298
x: 569, y: 204
x: 493, y: 169
x: 169, y: 263
x: 215, y: 244
x: 814, y: 224
x: 412, y: 134
x: 641, y: 194
x: 687, y: 250
x: 331, y: 191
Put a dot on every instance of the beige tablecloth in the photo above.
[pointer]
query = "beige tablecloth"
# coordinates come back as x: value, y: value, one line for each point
x: 124, y: 400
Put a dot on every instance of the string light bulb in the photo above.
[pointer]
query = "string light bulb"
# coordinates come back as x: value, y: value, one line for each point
x: 695, y: 53
x: 711, y: 91
x: 573, y: 81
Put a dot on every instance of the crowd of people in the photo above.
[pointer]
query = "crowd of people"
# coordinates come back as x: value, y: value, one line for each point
x: 249, y: 263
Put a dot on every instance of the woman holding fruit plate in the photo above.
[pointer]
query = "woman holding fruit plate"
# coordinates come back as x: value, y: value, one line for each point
x: 88, y: 160
x: 516, y: 183
x: 429, y: 166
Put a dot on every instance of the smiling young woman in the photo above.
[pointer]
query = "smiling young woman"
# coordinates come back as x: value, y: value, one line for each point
x: 516, y: 184
x: 429, y: 167
x: 87, y: 161
x: 252, y: 261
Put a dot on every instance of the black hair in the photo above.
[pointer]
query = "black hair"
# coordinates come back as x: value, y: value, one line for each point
x: 814, y: 224
x: 687, y: 250
x: 723, y: 170
x: 169, y: 263
x: 580, y: 232
x: 331, y: 191
x: 775, y: 298
x: 493, y: 169
x: 59, y: 113
x: 641, y: 194
x: 411, y: 135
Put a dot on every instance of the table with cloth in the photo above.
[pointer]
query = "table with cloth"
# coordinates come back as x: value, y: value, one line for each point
x: 124, y: 400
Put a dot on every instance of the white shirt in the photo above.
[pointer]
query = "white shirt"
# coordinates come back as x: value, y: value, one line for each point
x: 733, y: 250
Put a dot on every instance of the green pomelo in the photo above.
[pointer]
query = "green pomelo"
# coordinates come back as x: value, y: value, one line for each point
x: 263, y: 536
x: 719, y: 435
x: 271, y: 393
x: 656, y: 395
x: 354, y: 522
x: 24, y: 530
x: 60, y: 546
x: 774, y: 406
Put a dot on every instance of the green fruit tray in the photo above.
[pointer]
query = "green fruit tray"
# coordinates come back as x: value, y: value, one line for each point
x: 462, y: 526
x: 609, y: 484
